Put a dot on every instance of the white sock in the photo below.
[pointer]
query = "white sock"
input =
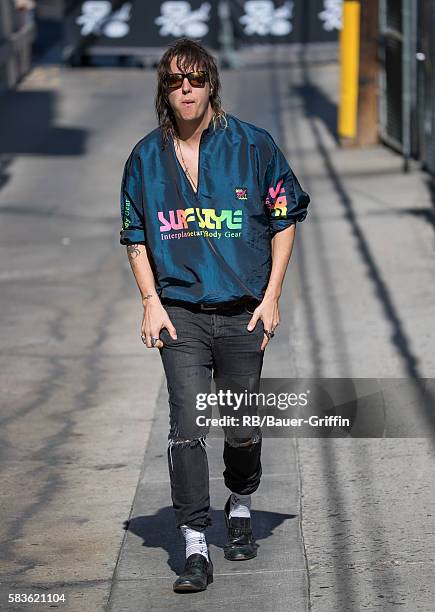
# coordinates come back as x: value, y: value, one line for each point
x: 240, y: 505
x: 195, y: 541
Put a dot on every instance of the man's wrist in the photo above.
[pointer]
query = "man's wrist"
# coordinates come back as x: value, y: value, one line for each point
x: 149, y: 298
x: 272, y: 294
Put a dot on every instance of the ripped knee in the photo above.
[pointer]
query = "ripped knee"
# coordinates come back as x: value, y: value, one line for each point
x: 244, y: 442
x: 182, y: 443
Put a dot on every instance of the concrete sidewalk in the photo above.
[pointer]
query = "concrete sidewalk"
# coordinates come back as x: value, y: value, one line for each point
x: 343, y: 524
x: 153, y: 551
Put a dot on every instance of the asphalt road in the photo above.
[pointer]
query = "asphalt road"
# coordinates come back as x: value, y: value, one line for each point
x: 344, y: 524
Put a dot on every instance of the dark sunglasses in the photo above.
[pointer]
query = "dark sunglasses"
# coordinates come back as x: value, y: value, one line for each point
x: 174, y: 80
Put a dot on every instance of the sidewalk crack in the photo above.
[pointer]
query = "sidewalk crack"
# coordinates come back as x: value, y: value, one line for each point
x: 301, y: 525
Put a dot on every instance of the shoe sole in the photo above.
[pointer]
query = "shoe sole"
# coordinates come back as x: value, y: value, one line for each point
x: 240, y: 557
x: 190, y: 588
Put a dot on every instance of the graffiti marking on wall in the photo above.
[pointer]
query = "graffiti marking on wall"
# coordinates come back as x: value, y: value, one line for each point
x: 177, y: 18
x: 262, y: 18
x: 97, y: 18
x: 331, y: 15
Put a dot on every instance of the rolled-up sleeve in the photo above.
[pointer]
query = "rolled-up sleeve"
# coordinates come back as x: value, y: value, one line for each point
x: 285, y: 201
x: 132, y: 217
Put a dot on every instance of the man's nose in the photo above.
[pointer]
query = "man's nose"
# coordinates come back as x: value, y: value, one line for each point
x: 186, y: 86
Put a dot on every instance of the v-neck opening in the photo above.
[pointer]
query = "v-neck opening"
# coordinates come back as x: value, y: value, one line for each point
x: 195, y: 193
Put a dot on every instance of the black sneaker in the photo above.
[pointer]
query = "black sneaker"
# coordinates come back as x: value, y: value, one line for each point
x: 241, y: 544
x: 197, y: 574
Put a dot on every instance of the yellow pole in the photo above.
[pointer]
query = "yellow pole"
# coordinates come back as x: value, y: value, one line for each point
x: 349, y: 69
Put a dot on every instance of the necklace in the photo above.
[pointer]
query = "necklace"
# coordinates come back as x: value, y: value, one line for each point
x: 186, y: 169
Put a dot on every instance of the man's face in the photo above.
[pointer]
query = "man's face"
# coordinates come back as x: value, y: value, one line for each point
x: 188, y: 103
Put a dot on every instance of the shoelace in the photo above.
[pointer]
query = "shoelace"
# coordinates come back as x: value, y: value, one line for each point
x: 197, y: 562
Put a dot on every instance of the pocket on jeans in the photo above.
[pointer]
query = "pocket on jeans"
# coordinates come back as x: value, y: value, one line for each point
x: 165, y: 337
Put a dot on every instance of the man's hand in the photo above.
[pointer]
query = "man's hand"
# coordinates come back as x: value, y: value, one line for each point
x: 268, y: 312
x: 155, y: 318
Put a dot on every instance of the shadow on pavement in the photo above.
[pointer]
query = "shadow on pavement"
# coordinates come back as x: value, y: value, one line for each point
x: 317, y: 104
x: 154, y: 531
x: 27, y: 126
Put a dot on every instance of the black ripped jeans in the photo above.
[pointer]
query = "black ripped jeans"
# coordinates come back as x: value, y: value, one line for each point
x: 209, y: 345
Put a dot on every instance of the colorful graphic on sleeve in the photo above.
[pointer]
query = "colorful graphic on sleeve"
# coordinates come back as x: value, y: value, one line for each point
x: 209, y: 220
x: 126, y: 219
x: 276, y: 200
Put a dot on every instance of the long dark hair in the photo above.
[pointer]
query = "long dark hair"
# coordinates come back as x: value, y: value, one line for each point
x: 189, y: 54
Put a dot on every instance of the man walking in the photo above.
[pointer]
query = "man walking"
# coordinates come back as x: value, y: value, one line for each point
x: 209, y: 207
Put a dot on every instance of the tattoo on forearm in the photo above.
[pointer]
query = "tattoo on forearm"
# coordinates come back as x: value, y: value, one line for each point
x: 133, y: 250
